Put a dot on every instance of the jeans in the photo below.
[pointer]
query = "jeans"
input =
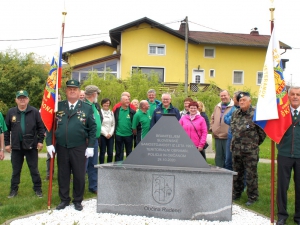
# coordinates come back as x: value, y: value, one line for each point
x: 228, y: 157
x: 106, y: 144
x: 91, y: 170
x: 122, y: 141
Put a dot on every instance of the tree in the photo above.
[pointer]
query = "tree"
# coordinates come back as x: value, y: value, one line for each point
x: 21, y: 72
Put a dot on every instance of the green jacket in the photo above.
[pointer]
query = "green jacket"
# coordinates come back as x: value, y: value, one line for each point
x: 289, y: 146
x: 76, y: 128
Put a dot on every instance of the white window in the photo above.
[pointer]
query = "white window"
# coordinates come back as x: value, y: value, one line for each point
x: 238, y: 77
x: 212, y: 73
x: 157, y: 49
x: 259, y: 77
x: 209, y: 52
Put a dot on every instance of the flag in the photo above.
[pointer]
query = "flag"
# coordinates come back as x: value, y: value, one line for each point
x: 272, y: 112
x: 50, y: 96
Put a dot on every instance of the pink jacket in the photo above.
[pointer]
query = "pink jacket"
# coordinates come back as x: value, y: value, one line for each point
x: 200, y: 125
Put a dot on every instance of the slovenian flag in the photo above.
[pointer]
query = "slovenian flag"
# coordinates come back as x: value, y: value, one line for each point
x: 272, y: 112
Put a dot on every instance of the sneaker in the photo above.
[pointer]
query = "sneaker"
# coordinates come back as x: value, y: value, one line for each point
x: 12, y: 194
x: 39, y: 193
x: 250, y: 202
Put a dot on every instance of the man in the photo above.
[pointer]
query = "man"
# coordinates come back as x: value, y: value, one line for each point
x: 141, y: 121
x: 165, y: 108
x: 288, y: 159
x: 24, y: 138
x: 227, y: 120
x: 3, y: 128
x: 219, y: 128
x: 186, y: 103
x: 246, y: 138
x: 75, y: 140
x: 48, y: 155
x: 91, y: 97
x: 118, y: 105
x: 82, y: 95
x: 123, y: 132
x: 153, y: 102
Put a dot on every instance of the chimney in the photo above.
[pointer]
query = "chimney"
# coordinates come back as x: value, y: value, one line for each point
x: 254, y: 31
x: 182, y: 28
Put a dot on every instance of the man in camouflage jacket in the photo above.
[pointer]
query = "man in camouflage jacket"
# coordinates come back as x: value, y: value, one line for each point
x: 246, y: 138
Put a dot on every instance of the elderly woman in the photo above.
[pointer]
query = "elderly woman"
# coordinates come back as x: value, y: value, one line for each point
x: 107, y: 131
x: 195, y: 127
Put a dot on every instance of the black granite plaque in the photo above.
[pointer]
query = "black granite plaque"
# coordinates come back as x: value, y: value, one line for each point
x: 167, y: 144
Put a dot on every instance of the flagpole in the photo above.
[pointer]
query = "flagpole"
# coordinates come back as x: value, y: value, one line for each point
x: 272, y: 9
x: 58, y: 85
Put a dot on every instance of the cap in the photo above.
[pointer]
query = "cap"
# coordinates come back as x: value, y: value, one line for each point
x: 90, y: 89
x: 21, y: 93
x: 241, y: 95
x: 73, y: 83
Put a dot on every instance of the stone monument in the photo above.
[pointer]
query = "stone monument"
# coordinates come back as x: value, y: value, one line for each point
x: 165, y: 177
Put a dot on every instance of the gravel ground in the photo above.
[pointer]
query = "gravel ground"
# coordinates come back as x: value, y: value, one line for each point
x: 89, y: 216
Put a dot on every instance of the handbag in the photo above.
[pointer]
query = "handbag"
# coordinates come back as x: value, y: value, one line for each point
x: 206, y: 144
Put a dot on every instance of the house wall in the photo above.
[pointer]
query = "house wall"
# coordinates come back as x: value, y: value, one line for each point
x: 134, y: 52
x: 90, y: 54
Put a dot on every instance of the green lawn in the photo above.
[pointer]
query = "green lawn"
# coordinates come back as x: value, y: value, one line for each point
x: 26, y: 202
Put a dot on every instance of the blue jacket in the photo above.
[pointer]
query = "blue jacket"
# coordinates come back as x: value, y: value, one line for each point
x: 159, y: 111
x: 227, y: 119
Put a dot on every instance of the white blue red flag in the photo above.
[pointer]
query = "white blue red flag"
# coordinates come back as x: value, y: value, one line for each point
x: 272, y: 111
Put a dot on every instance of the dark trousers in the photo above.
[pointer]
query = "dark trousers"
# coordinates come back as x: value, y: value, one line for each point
x: 17, y: 159
x: 284, y: 170
x: 220, y: 152
x: 91, y: 170
x: 106, y: 145
x: 120, y: 142
x: 48, y: 165
x: 71, y: 159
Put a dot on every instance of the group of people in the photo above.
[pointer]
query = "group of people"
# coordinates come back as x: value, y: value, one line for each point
x: 83, y: 126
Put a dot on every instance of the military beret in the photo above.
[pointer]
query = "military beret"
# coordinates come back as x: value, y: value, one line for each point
x: 90, y: 89
x: 241, y: 95
x: 21, y: 93
x: 73, y: 83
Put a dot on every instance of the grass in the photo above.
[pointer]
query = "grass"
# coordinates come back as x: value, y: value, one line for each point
x: 26, y: 202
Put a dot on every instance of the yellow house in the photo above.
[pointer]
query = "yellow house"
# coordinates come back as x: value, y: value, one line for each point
x: 226, y: 59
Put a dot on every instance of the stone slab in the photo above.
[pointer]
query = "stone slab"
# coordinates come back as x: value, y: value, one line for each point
x: 165, y: 192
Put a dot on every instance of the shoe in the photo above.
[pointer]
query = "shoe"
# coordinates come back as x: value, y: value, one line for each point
x: 236, y: 197
x: 281, y: 222
x: 12, y: 194
x: 39, y: 193
x: 250, y: 202
x: 78, y: 206
x: 62, y: 205
x: 94, y: 192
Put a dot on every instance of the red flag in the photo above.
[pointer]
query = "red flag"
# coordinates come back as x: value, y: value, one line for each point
x: 50, y: 96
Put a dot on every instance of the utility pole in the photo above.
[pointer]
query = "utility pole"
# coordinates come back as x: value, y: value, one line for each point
x: 186, y: 55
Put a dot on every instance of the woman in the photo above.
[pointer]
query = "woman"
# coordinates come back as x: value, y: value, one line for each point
x: 201, y: 110
x: 136, y: 103
x: 107, y: 131
x: 195, y: 127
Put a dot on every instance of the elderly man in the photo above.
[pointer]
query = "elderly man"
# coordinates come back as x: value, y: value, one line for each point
x: 219, y: 128
x: 288, y: 159
x: 141, y: 121
x: 165, y: 108
x: 123, y: 131
x: 24, y: 138
x: 91, y: 97
x: 118, y: 105
x: 82, y: 95
x: 153, y: 102
x: 75, y: 141
x: 246, y: 138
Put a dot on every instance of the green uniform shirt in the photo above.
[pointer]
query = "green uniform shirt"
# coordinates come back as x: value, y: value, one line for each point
x: 144, y: 119
x: 165, y: 111
x: 97, y: 118
x: 124, y: 123
x: 3, y: 127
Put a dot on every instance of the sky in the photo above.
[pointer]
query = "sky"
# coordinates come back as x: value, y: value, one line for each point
x: 89, y: 21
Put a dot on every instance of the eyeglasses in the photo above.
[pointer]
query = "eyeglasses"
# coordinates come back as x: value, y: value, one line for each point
x: 166, y: 99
